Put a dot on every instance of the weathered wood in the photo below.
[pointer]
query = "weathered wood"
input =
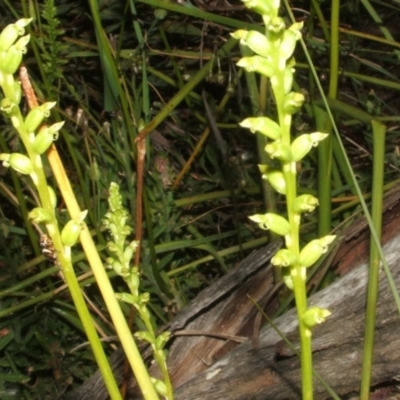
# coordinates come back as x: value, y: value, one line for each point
x: 218, y: 309
x: 270, y: 370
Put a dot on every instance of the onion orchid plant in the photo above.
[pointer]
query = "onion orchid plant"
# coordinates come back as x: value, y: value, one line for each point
x: 273, y: 58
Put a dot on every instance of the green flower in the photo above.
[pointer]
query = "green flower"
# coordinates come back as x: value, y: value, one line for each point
x: 273, y: 222
x: 36, y: 116
x: 258, y: 43
x: 313, y: 250
x: 303, y: 144
x: 279, y: 150
x: 40, y: 215
x: 72, y: 230
x: 18, y: 162
x: 11, y: 32
x: 12, y: 58
x: 293, y: 102
x: 277, y: 180
x: 257, y: 64
x: 315, y: 316
x: 264, y: 125
x: 305, y: 203
x: 284, y: 258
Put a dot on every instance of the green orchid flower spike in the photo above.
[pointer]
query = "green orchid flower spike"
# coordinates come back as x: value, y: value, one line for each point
x: 36, y: 139
x: 116, y: 221
x: 273, y: 58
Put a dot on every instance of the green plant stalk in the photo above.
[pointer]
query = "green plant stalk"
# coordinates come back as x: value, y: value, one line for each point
x: 119, y: 321
x: 379, y: 132
x: 145, y: 316
x: 320, y: 16
x: 325, y: 148
x: 326, y: 102
x: 324, y: 174
x: 274, y: 59
x: 293, y: 244
x: 293, y: 348
x: 65, y: 261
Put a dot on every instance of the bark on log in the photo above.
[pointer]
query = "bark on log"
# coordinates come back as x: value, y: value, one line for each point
x: 270, y: 370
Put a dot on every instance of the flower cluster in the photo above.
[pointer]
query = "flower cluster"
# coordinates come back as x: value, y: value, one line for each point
x: 273, y: 58
x: 37, y: 138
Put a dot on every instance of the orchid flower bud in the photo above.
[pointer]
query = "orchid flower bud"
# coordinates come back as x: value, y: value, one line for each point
x: 7, y: 106
x: 115, y: 265
x: 263, y: 7
x: 279, y: 150
x: 296, y: 28
x: 46, y: 136
x: 162, y: 339
x: 293, y: 102
x: 130, y: 299
x: 277, y: 181
x: 288, y: 44
x: 53, y: 197
x: 19, y: 163
x: 313, y: 250
x: 271, y: 221
x: 275, y: 29
x: 36, y: 116
x: 40, y: 215
x: 288, y: 79
x: 11, y: 32
x: 305, y: 203
x: 144, y: 335
x: 13, y: 57
x: 284, y: 258
x: 240, y: 34
x: 130, y: 250
x: 257, y: 64
x: 72, y: 230
x: 258, y: 43
x: 303, y: 143
x: 287, y: 279
x: 43, y: 140
x: 134, y: 279
x: 315, y: 316
x: 160, y: 387
x: 263, y: 125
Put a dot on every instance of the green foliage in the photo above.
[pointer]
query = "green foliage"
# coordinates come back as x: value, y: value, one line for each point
x: 54, y: 50
x: 192, y: 228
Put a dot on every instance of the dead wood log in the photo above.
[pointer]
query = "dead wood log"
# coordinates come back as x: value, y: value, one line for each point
x: 270, y: 370
x: 219, y: 309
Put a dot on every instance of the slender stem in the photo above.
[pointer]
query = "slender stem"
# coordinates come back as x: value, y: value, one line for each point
x: 121, y: 326
x: 379, y: 131
x: 297, y: 273
x: 64, y: 259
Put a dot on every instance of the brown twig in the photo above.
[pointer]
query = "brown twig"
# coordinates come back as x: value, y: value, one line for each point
x: 27, y: 87
x: 141, y: 153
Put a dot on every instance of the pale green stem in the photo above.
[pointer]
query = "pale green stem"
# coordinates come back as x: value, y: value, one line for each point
x: 160, y: 358
x: 379, y: 131
x: 292, y: 243
x: 65, y: 261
